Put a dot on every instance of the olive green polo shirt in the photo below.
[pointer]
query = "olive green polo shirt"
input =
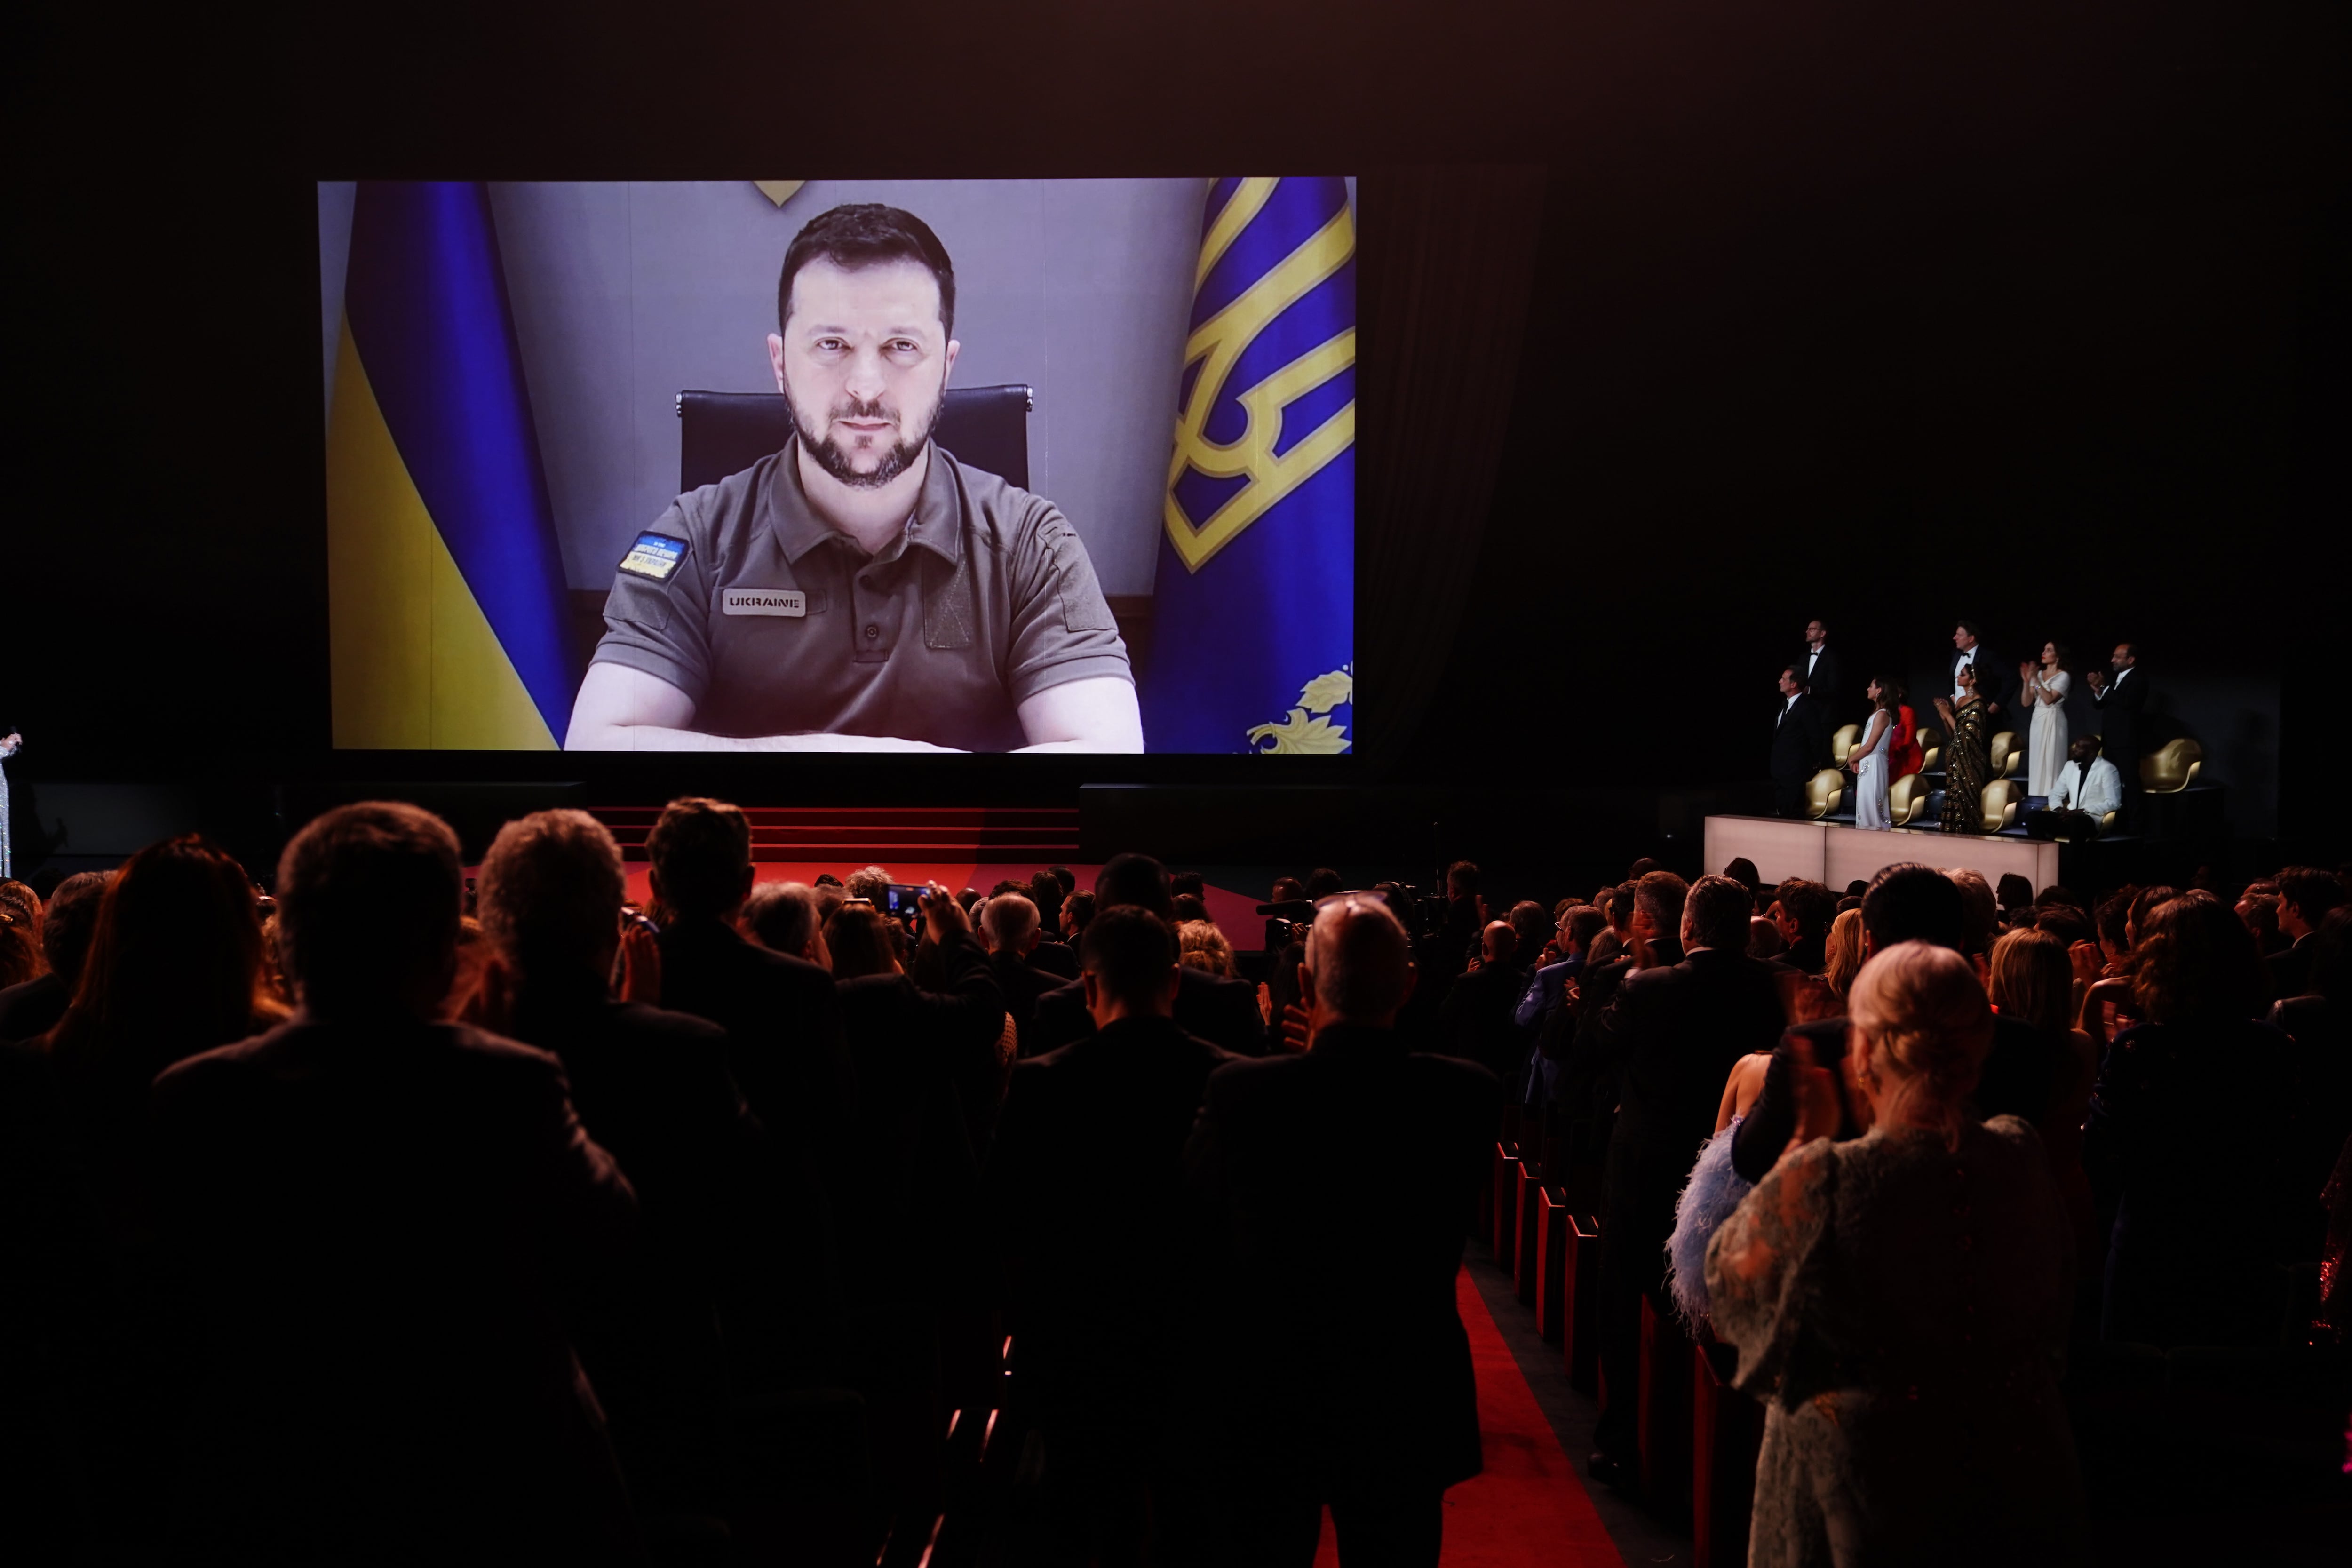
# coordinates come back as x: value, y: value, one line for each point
x: 775, y: 623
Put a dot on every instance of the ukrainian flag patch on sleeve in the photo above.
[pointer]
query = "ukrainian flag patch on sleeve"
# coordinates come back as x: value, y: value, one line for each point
x: 655, y: 557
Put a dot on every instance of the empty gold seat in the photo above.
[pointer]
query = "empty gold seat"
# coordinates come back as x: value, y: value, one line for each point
x: 1931, y: 748
x: 2002, y: 798
x: 1905, y: 799
x: 1843, y: 744
x: 1823, y: 790
x: 2171, y: 767
x: 2003, y: 755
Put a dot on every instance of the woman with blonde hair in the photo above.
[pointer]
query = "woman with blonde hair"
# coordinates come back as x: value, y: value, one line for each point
x: 2034, y: 983
x: 1900, y: 1302
x: 1844, y: 952
x: 1201, y: 944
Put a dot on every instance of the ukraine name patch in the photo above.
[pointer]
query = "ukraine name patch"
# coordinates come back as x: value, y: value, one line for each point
x: 654, y: 556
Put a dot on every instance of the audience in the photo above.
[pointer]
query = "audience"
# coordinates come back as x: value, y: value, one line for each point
x: 2196, y: 1243
x: 1083, y: 1185
x: 1335, y: 1190
x: 1673, y: 1031
x: 363, y: 1193
x: 772, y: 1152
x: 33, y: 1005
x: 1899, y: 1302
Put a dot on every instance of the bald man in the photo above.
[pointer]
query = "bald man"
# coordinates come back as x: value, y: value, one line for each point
x: 1334, y: 1190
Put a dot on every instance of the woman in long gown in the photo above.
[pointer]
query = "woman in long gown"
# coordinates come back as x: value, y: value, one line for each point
x: 1964, y: 755
x: 1905, y: 755
x: 2043, y: 687
x: 1900, y: 1304
x: 1871, y: 769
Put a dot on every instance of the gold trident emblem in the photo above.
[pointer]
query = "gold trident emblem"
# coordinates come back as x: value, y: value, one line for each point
x: 1219, y: 340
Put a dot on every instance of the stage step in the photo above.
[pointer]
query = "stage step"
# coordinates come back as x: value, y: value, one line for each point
x: 936, y: 833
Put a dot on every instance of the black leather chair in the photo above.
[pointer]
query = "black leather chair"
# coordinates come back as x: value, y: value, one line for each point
x: 723, y: 433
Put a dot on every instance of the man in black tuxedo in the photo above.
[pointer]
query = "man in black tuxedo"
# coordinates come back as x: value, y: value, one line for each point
x: 1223, y: 1012
x: 1800, y: 742
x: 1824, y: 676
x: 1334, y: 1191
x: 2122, y: 701
x: 1083, y: 1184
x: 1676, y: 1032
x: 1996, y: 684
x: 390, y: 1225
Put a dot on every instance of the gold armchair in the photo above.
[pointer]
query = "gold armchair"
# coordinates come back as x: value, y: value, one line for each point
x: 2003, y: 755
x: 1843, y: 744
x: 1905, y: 799
x: 1931, y: 748
x: 2002, y: 798
x: 1823, y: 790
x: 2171, y: 767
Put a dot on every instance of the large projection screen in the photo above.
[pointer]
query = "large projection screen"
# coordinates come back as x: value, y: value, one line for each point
x: 1012, y: 465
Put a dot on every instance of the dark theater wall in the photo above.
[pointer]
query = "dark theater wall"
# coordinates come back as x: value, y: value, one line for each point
x: 1884, y: 314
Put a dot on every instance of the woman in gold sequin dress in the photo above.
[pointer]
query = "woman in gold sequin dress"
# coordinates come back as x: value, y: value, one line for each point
x: 1964, y: 766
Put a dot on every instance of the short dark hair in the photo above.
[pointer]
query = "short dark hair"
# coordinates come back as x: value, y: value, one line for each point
x: 1797, y: 677
x: 2015, y: 893
x: 1136, y: 880
x: 1045, y: 890
x: 2312, y: 892
x: 1743, y: 870
x: 1128, y: 950
x: 1716, y: 909
x: 1810, y: 904
x: 367, y: 901
x: 2064, y: 922
x: 1323, y: 881
x: 1182, y: 882
x: 1662, y: 893
x: 1064, y: 875
x: 858, y: 235
x: 2113, y: 917
x: 1584, y: 924
x: 1967, y: 627
x: 700, y: 848
x: 1621, y: 906
x: 1462, y: 875
x: 2082, y: 751
x: 1911, y: 902
x: 858, y: 938
x: 1080, y: 907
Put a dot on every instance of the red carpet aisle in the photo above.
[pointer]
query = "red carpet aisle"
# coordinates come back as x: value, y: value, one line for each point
x: 1529, y: 1509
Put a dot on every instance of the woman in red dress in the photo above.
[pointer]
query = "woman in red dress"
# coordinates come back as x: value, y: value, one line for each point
x: 1904, y: 756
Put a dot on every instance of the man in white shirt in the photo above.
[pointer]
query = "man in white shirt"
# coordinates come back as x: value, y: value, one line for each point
x: 2088, y: 787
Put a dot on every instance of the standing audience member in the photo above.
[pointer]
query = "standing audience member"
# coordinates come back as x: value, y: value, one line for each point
x: 1824, y: 674
x: 2197, y: 1244
x: 2121, y: 701
x: 1012, y: 925
x: 1803, y: 911
x: 1985, y: 681
x: 2032, y: 984
x: 34, y: 1006
x: 786, y: 918
x: 1223, y: 1012
x: 1966, y: 770
x: 1050, y: 955
x: 1200, y: 945
x: 1476, y: 1022
x: 1093, y: 1286
x: 2319, y: 1093
x: 2043, y: 687
x: 653, y: 1090
x: 1899, y: 1302
x: 1347, y: 1174
x: 363, y: 1181
x: 2305, y: 895
x: 20, y: 935
x: 1674, y: 1031
x: 1841, y: 953
x: 1872, y: 761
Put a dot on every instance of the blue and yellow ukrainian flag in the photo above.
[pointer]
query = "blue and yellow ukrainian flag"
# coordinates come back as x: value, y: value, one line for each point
x: 445, y: 591
x: 1254, y: 608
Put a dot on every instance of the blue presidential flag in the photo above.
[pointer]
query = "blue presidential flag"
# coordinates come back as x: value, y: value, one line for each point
x: 1253, y: 606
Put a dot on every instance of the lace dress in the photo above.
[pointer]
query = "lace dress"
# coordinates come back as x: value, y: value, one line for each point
x: 1901, y: 1307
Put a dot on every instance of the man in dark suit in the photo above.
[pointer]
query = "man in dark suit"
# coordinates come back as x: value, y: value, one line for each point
x: 390, y: 1225
x: 1824, y: 675
x: 2122, y: 701
x: 1804, y: 911
x: 1478, y: 1022
x: 1675, y: 1031
x: 1223, y: 1012
x: 2305, y: 895
x: 1801, y: 743
x: 1335, y: 1190
x: 1996, y: 683
x: 1010, y: 924
x: 653, y: 1088
x: 34, y: 1007
x: 1082, y: 1193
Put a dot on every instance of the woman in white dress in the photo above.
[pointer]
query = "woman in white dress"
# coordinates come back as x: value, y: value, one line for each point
x: 2043, y: 687
x: 1870, y: 780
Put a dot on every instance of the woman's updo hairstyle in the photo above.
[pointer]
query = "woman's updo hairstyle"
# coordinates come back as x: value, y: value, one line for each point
x: 1926, y: 1029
